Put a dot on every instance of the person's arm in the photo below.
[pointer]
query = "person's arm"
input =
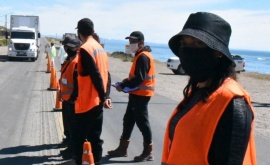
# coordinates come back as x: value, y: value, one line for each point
x: 108, y: 90
x: 90, y: 68
x: 232, y: 134
x: 74, y: 94
x: 141, y: 70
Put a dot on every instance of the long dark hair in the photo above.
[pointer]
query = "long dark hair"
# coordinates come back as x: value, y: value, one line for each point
x: 225, y: 69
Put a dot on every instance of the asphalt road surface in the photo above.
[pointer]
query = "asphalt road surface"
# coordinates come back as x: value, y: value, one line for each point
x: 30, y: 130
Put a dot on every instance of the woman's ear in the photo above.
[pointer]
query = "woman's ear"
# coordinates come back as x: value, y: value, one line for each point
x: 141, y: 43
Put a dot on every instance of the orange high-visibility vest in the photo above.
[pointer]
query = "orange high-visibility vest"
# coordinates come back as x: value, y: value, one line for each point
x: 147, y: 87
x: 66, y: 79
x: 87, y: 94
x: 195, y: 130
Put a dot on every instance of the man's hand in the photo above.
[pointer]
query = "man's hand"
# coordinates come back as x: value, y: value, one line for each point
x: 119, y: 88
x: 108, y: 104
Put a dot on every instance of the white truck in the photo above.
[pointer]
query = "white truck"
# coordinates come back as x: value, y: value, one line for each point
x: 24, y: 37
x: 72, y: 35
x: 174, y: 64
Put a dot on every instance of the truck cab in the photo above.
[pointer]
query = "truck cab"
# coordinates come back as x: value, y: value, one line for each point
x: 24, y: 43
x: 24, y: 37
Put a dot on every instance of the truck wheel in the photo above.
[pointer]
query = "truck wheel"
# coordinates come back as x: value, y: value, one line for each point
x: 180, y: 70
x: 10, y: 59
x: 175, y: 71
x: 33, y: 59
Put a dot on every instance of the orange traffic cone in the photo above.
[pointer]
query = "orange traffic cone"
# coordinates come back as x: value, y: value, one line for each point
x: 48, y: 65
x: 87, y: 157
x: 58, y: 102
x: 53, y: 80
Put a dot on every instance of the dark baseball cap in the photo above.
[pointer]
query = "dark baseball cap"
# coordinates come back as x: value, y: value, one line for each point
x: 137, y: 35
x: 85, y: 23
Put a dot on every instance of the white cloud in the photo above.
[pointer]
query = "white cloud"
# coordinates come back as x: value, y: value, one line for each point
x: 250, y: 29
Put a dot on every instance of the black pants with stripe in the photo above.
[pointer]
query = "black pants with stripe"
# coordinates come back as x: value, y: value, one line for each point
x: 137, y: 112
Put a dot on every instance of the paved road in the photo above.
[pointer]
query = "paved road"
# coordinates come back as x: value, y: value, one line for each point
x: 30, y: 130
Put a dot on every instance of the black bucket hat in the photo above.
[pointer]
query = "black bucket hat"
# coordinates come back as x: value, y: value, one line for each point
x: 71, y: 42
x: 211, y: 29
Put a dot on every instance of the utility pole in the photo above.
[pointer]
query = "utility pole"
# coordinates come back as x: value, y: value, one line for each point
x: 6, y: 35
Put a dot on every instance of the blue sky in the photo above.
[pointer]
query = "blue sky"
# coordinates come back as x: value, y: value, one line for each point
x: 157, y: 19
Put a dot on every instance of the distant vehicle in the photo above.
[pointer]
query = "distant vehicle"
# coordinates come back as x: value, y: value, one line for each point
x: 72, y: 35
x: 240, y: 63
x: 24, y: 37
x: 174, y: 64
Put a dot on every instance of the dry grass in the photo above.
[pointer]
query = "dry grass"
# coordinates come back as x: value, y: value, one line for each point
x: 123, y: 56
x: 256, y: 75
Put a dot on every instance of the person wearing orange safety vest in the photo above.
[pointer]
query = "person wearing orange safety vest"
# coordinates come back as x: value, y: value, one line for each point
x: 93, y: 78
x: 214, y: 123
x: 68, y: 93
x: 141, y: 78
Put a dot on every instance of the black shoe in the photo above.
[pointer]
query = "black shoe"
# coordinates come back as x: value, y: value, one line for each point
x: 68, y: 153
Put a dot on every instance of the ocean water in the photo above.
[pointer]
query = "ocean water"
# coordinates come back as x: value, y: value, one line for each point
x: 255, y: 61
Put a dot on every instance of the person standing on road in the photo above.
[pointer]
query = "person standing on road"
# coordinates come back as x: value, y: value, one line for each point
x: 47, y: 49
x: 52, y: 51
x: 69, y: 93
x: 214, y: 123
x: 92, y: 83
x: 141, y: 76
x: 62, y: 55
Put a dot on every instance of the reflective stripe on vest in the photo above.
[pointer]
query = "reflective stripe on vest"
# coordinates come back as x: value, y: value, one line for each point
x: 87, y: 94
x: 67, y: 85
x: 195, y: 130
x: 146, y: 88
x: 66, y: 79
x: 66, y: 93
x: 98, y: 51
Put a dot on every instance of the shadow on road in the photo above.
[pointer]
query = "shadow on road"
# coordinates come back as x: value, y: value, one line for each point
x: 117, y: 102
x: 106, y: 160
x: 29, y: 160
x: 27, y: 148
x: 257, y: 104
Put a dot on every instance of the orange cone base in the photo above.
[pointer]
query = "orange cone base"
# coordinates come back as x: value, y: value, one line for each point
x: 52, y: 89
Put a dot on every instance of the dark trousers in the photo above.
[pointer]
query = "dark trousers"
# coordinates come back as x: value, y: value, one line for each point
x: 68, y: 113
x: 89, y: 126
x: 137, y: 112
x: 67, y: 132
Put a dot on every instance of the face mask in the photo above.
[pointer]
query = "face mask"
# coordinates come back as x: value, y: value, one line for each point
x: 133, y: 47
x: 70, y: 52
x: 199, y: 63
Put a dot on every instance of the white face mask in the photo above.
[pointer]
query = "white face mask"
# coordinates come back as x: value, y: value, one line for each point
x: 133, y: 47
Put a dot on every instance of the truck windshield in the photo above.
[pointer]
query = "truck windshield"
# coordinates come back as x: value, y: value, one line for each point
x: 23, y: 35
